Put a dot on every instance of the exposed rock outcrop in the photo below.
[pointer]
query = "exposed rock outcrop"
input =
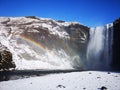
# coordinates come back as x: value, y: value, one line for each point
x: 79, y: 36
x: 6, y: 61
x: 116, y: 44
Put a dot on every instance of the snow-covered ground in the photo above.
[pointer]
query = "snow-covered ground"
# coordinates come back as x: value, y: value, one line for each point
x: 86, y: 80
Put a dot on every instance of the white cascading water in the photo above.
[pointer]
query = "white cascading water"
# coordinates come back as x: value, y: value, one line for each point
x: 99, y: 51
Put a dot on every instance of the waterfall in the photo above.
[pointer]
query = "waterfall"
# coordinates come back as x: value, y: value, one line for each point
x: 99, y: 50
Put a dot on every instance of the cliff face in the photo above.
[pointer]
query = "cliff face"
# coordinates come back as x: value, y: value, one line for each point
x: 79, y: 38
x: 116, y: 44
x: 39, y: 43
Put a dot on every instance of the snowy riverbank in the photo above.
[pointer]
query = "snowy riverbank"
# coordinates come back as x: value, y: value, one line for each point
x: 87, y: 80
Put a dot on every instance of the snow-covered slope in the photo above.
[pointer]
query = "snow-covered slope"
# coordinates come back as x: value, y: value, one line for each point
x: 88, y: 80
x: 41, y: 43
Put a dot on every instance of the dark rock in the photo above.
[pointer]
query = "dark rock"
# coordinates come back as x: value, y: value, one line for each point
x: 90, y: 73
x: 6, y: 59
x: 84, y: 88
x: 37, y: 75
x: 33, y: 17
x: 98, y: 77
x: 103, y: 88
x: 108, y: 72
x: 60, y: 21
x: 116, y: 76
x: 116, y: 44
x: 60, y: 86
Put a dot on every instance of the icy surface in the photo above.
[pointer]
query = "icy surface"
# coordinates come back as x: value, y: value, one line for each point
x: 88, y: 80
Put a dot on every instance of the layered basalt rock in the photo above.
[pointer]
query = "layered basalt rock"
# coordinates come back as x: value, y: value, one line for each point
x: 116, y: 44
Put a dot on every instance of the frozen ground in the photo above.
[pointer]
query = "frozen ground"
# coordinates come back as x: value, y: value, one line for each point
x: 87, y: 80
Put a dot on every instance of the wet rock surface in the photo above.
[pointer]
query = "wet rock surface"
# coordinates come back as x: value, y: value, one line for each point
x: 116, y: 44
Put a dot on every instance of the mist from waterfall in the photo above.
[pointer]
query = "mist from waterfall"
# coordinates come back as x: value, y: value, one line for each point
x: 99, y: 51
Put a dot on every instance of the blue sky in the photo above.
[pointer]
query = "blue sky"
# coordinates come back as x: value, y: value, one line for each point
x: 87, y: 12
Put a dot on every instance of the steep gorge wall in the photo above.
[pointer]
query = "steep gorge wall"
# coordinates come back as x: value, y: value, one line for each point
x: 116, y: 44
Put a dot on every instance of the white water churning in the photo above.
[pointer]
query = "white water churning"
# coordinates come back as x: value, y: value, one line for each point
x: 99, y: 51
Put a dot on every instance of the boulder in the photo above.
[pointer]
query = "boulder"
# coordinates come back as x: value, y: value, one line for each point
x: 6, y: 61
